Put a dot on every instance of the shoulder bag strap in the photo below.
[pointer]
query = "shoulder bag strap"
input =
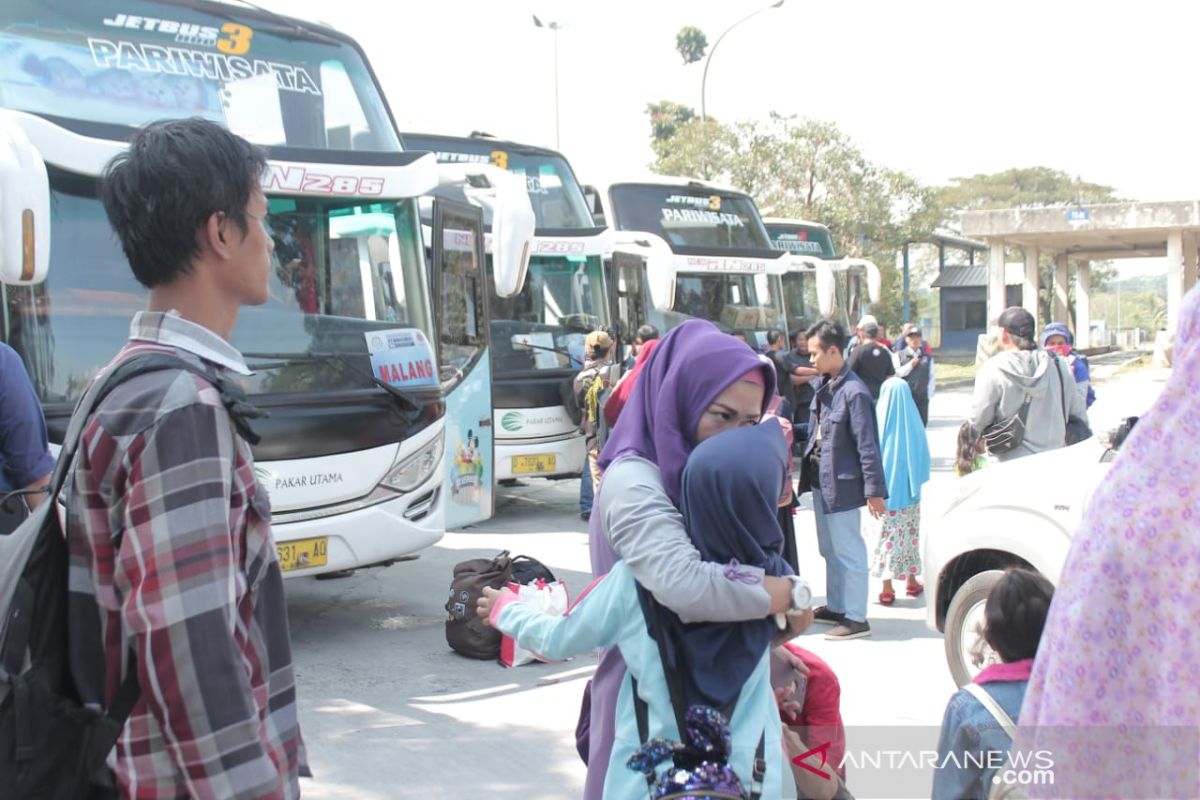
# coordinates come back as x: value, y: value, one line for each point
x: 992, y: 707
x: 1062, y: 391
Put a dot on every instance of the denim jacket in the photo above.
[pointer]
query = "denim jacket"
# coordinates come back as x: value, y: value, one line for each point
x: 851, y: 469
x: 969, y: 732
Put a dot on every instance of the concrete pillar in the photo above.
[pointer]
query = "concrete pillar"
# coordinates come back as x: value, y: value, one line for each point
x: 1190, y: 260
x: 1061, y: 293
x: 1175, y: 276
x: 1029, y: 295
x: 1083, y: 309
x: 996, y: 300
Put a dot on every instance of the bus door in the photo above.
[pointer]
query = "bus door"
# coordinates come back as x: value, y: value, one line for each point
x: 464, y: 360
x: 627, y: 295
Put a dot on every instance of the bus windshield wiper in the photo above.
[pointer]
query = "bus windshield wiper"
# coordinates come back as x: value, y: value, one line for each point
x: 279, y: 360
x: 560, y: 351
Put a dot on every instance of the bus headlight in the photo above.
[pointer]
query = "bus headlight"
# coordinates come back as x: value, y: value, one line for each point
x: 416, y: 469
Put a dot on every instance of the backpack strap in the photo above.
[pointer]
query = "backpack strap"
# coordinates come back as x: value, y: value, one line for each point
x: 992, y: 707
x: 675, y: 689
x: 232, y: 397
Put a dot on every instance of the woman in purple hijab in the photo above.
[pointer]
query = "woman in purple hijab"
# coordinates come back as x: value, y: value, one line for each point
x: 697, y: 383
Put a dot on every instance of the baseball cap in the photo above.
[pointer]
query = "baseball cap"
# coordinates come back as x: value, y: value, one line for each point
x: 598, y: 341
x: 912, y: 330
x: 868, y: 325
x: 1018, y: 322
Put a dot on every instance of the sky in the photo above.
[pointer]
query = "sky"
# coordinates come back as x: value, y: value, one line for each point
x: 1102, y: 90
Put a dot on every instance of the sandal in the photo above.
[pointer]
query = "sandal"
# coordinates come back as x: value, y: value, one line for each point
x: 911, y: 592
x: 887, y: 598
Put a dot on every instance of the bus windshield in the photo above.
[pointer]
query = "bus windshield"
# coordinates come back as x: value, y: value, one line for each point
x: 804, y: 240
x: 800, y: 299
x: 736, y: 303
x: 554, y: 192
x: 544, y: 326
x: 690, y: 217
x: 269, y: 79
x: 340, y: 269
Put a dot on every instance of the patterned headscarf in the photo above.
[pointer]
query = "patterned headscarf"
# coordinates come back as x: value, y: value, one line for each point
x: 1120, y: 646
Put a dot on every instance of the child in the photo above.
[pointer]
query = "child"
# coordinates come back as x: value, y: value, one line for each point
x: 975, y: 739
x: 905, y: 451
x: 972, y: 451
x: 730, y: 489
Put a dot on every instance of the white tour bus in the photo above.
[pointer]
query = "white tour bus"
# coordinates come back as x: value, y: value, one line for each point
x: 819, y: 283
x: 343, y: 353
x: 686, y: 249
x: 537, y: 334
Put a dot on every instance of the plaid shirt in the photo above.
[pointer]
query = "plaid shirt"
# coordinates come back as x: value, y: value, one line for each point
x: 174, y: 573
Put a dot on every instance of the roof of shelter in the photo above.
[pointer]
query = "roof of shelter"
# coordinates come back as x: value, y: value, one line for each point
x: 966, y: 276
x: 1102, y: 231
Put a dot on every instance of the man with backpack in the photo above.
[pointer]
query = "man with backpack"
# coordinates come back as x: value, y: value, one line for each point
x: 173, y: 570
x: 592, y: 380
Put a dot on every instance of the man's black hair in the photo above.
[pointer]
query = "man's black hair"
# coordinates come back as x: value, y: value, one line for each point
x: 773, y: 337
x: 1016, y: 614
x: 647, y: 333
x: 830, y: 333
x: 163, y: 189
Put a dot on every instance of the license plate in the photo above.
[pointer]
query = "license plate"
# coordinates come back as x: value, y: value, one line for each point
x: 303, y: 553
x: 543, y: 462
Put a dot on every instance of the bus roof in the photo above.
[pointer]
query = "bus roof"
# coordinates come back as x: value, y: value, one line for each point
x: 485, y: 139
x: 651, y: 179
x: 793, y: 221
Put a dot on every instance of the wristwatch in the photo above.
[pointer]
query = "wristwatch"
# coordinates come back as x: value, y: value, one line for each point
x: 801, y: 595
x: 801, y: 601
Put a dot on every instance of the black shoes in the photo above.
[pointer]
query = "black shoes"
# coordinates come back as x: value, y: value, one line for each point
x: 823, y: 615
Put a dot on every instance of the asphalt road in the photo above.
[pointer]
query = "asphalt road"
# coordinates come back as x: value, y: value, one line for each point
x: 389, y: 711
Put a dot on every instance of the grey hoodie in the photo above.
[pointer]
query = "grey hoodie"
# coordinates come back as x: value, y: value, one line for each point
x: 1002, y: 385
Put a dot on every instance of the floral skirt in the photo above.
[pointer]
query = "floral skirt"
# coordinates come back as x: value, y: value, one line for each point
x: 898, y: 552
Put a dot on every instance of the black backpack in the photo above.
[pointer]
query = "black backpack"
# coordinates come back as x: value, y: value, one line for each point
x: 51, y: 745
x: 466, y: 633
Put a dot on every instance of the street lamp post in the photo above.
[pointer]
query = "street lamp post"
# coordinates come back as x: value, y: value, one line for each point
x: 554, y: 27
x: 713, y: 49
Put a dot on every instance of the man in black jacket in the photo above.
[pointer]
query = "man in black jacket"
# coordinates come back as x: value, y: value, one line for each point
x: 844, y: 469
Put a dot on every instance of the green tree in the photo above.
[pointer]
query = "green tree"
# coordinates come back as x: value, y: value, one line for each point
x: 691, y: 44
x: 666, y: 117
x: 1021, y: 187
x: 814, y: 171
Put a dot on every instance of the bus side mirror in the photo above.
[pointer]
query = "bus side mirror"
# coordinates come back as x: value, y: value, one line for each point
x: 874, y: 279
x: 24, y: 209
x: 826, y: 288
x: 513, y: 224
x: 506, y: 196
x: 660, y: 278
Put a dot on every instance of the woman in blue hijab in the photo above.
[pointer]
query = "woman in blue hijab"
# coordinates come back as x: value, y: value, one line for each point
x: 728, y: 503
x: 905, y: 452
